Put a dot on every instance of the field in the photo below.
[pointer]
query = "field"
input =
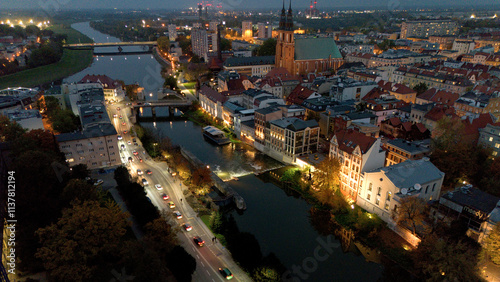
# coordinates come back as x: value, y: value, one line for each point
x: 71, y: 62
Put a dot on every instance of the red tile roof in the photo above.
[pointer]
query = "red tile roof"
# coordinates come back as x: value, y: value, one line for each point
x: 106, y: 81
x: 439, y: 96
x: 438, y: 112
x: 349, y: 139
x: 298, y: 95
x: 213, y: 95
x: 471, y: 128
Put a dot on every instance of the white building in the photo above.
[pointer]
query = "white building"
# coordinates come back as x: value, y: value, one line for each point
x: 382, y: 189
x: 349, y: 89
x: 463, y: 46
x: 172, y: 32
x: 199, y: 42
x: 246, y: 29
x: 28, y: 119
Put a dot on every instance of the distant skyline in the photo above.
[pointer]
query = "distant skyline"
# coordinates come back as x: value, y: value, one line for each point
x: 237, y: 4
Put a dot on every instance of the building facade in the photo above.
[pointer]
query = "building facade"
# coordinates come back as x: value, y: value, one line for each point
x: 426, y: 28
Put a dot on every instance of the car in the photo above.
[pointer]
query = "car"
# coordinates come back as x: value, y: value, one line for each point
x: 122, y: 146
x: 171, y: 205
x: 187, y: 227
x: 124, y: 123
x: 158, y: 187
x: 198, y: 241
x: 135, y: 153
x: 120, y: 137
x: 140, y: 160
x: 129, y: 143
x: 144, y: 181
x: 117, y: 108
x: 121, y: 117
x: 226, y: 273
x: 133, y: 140
x: 135, y: 144
x: 114, y: 115
x: 149, y: 171
x: 165, y: 196
x: 130, y: 159
x: 139, y: 172
x: 177, y: 215
x: 98, y: 182
x: 125, y: 132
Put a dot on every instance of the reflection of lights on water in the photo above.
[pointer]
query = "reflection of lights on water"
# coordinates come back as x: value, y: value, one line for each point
x: 139, y: 58
x: 111, y: 59
x: 154, y: 124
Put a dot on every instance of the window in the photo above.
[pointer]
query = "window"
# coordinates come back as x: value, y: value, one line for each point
x: 368, y: 196
x: 490, y: 139
x: 378, y: 191
x: 94, y: 163
x: 386, y: 207
x: 91, y: 150
x: 370, y: 187
x: 426, y: 189
x: 377, y: 202
x: 101, y: 149
x: 388, y: 198
x: 78, y: 145
x: 433, y: 187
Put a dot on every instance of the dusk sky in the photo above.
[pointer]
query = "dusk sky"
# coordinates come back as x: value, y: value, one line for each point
x: 234, y: 4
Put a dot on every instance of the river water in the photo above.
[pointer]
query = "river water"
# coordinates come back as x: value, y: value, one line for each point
x: 280, y: 221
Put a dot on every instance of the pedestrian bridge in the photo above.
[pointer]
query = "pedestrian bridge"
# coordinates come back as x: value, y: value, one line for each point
x: 89, y: 46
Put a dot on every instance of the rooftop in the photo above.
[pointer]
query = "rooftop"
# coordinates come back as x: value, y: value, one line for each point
x: 472, y: 197
x: 96, y: 130
x: 414, y: 148
x: 411, y: 172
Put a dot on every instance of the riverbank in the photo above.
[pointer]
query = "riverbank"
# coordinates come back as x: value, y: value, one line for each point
x: 72, y: 61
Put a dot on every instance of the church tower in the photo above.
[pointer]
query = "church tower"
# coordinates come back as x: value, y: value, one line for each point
x: 285, y: 45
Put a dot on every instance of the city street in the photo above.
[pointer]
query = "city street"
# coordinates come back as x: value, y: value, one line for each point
x: 210, y: 257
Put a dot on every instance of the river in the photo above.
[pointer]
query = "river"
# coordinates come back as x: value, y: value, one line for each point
x: 280, y: 221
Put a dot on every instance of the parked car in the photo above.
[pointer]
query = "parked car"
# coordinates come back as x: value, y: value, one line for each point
x: 198, y: 241
x: 98, y: 182
x: 226, y: 273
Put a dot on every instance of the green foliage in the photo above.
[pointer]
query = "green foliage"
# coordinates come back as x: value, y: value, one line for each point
x: 63, y: 121
x: 492, y: 244
x: 163, y: 43
x: 9, y: 130
x: 386, y: 44
x: 48, y: 53
x: 411, y: 213
x: 225, y: 44
x: 170, y: 82
x: 440, y: 259
x: 79, y: 242
x: 268, y: 48
x: 78, y: 191
x: 131, y: 91
x: 420, y: 88
x: 291, y: 176
x: 181, y: 264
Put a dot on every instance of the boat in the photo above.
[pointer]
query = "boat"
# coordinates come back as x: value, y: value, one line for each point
x: 215, y: 135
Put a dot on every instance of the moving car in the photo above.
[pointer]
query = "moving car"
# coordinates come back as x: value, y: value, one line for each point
x: 165, y: 196
x: 122, y: 146
x: 133, y: 140
x: 125, y: 132
x: 226, y: 273
x: 139, y: 172
x: 121, y: 117
x: 135, y: 144
x: 140, y: 160
x: 171, y: 205
x: 158, y: 187
x: 124, y: 123
x: 135, y: 153
x: 177, y: 215
x: 117, y: 108
x: 130, y: 159
x: 187, y: 227
x: 120, y: 137
x: 197, y: 240
x: 144, y: 181
x: 114, y: 115
x: 149, y: 171
x: 129, y: 143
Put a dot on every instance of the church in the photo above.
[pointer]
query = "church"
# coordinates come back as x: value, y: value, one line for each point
x: 304, y: 55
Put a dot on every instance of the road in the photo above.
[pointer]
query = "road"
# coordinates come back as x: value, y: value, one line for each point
x: 210, y: 257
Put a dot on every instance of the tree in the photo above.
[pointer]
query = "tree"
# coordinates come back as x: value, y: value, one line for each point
x: 163, y: 43
x: 9, y: 130
x: 132, y: 91
x: 160, y: 236
x: 170, y: 82
x: 412, y: 212
x: 84, y: 237
x: 80, y: 171
x: 420, y: 88
x: 439, y: 259
x: 181, y: 263
x: 78, y: 191
x: 326, y: 175
x: 386, y: 45
x: 202, y: 176
x: 268, y: 48
x: 492, y: 244
x: 225, y: 44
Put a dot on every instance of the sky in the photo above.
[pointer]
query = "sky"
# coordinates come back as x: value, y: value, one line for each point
x: 233, y: 4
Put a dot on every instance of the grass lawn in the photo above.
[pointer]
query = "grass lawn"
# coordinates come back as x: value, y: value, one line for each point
x: 190, y: 85
x: 71, y: 62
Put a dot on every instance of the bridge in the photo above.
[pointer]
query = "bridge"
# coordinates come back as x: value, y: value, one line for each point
x: 91, y: 46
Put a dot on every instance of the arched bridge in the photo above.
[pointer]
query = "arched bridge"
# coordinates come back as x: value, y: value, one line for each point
x: 89, y: 46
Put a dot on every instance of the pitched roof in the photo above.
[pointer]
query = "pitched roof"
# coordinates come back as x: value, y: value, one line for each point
x: 299, y: 94
x: 316, y: 48
x: 249, y: 61
x: 472, y: 197
x: 396, y: 87
x: 349, y: 139
x: 212, y: 94
x: 294, y: 124
x: 104, y: 80
x: 410, y: 172
x: 439, y: 96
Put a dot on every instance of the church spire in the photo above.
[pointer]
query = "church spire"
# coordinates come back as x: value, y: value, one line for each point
x: 283, y: 17
x: 289, y: 18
